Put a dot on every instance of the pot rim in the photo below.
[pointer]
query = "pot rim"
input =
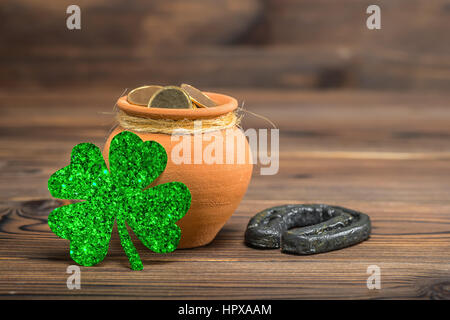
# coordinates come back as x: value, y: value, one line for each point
x: 225, y: 103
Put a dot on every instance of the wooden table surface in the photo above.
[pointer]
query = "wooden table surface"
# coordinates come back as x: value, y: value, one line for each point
x: 386, y: 154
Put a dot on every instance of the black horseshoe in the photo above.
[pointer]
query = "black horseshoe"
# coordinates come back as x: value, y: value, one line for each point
x: 307, y: 228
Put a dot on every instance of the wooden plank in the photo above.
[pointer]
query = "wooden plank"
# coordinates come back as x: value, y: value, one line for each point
x: 409, y: 246
x: 234, y: 43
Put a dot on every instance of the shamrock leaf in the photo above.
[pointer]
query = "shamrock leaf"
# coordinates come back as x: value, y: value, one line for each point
x: 120, y: 195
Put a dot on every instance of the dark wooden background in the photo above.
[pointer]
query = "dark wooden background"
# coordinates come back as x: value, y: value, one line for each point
x: 364, y: 122
x: 227, y: 43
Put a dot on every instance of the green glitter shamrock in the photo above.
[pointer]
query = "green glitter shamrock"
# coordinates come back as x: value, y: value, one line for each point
x: 117, y: 194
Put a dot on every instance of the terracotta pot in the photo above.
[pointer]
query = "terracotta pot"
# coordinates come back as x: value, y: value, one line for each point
x: 216, y: 189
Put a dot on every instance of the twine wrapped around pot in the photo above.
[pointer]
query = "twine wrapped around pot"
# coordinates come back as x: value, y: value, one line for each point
x: 169, y: 126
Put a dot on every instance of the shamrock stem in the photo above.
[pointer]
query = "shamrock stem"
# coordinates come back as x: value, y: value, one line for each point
x: 128, y: 246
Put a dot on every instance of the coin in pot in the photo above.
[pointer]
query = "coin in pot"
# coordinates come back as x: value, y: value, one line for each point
x: 141, y: 96
x: 198, y: 97
x: 170, y: 97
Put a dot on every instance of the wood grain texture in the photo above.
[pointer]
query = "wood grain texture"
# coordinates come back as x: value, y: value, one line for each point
x: 385, y: 154
x: 234, y: 43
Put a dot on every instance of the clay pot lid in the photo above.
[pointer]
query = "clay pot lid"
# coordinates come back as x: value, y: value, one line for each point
x: 225, y: 103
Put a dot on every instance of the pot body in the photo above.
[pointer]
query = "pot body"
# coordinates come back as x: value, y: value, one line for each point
x: 216, y: 188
